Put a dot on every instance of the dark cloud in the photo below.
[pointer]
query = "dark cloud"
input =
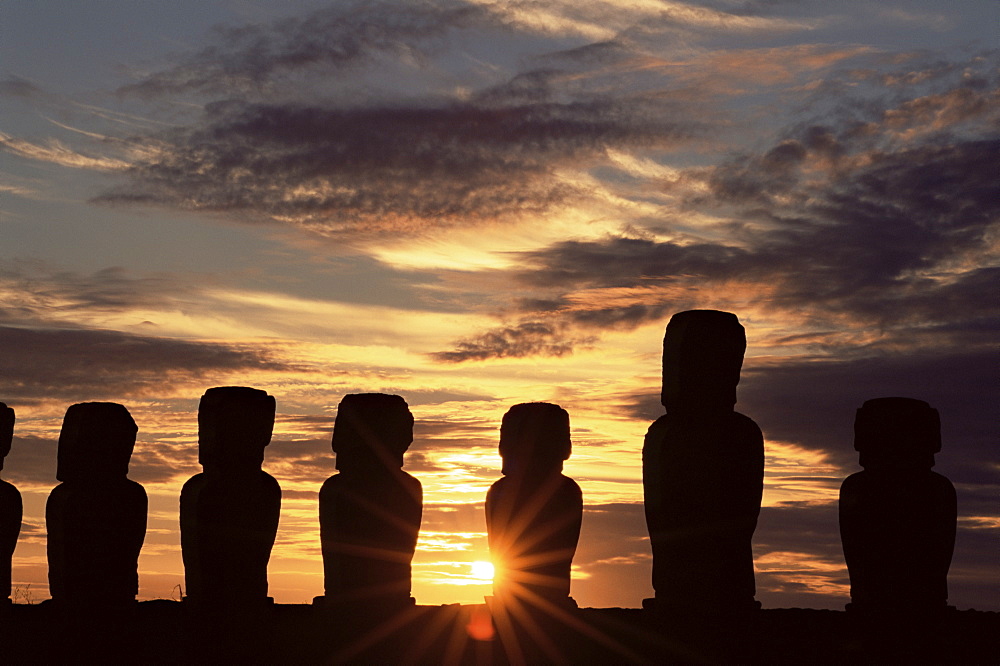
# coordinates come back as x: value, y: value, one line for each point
x: 859, y: 244
x: 892, y: 230
x: 623, y: 317
x: 393, y: 169
x: 15, y: 86
x: 92, y: 364
x: 628, y: 262
x: 394, y: 164
x: 813, y: 404
x: 37, y: 293
x: 531, y: 338
x: 31, y: 461
x: 250, y: 57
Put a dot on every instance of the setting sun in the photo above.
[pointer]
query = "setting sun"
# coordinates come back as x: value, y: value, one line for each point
x: 482, y: 570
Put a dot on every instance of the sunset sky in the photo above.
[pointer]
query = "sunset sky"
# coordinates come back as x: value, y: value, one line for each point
x: 475, y: 204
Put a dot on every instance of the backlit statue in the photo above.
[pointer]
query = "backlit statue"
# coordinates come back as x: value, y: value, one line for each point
x: 10, y: 505
x: 533, y: 514
x: 95, y: 518
x: 703, y: 469
x: 229, y: 513
x: 370, y: 511
x: 897, y: 517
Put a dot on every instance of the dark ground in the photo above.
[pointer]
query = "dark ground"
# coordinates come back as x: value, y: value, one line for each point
x: 169, y: 632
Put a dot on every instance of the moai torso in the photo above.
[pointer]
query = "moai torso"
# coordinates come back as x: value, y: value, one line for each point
x: 533, y: 514
x: 370, y: 511
x: 95, y: 518
x: 897, y: 517
x: 703, y: 470
x: 229, y: 513
x: 10, y: 505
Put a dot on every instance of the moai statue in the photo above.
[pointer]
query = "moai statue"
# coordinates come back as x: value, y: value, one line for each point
x: 897, y: 517
x: 533, y: 513
x: 369, y: 513
x: 229, y: 513
x: 703, y: 471
x: 10, y: 505
x: 95, y: 518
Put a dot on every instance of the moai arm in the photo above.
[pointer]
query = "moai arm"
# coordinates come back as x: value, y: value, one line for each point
x: 194, y: 586
x: 751, y: 492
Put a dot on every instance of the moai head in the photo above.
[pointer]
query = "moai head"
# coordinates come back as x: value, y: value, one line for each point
x: 702, y: 356
x: 897, y: 433
x: 96, y: 441
x: 534, y: 438
x: 234, y: 426
x: 6, y: 430
x: 372, y: 430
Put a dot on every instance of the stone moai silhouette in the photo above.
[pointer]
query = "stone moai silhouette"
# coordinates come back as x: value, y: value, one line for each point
x: 229, y: 512
x: 897, y: 517
x: 95, y: 518
x: 10, y: 504
x: 703, y: 471
x: 533, y: 513
x: 370, y: 512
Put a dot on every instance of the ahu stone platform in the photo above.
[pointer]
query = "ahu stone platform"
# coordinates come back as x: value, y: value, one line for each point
x: 170, y: 632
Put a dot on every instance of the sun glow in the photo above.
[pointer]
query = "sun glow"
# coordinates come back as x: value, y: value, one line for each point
x: 482, y: 570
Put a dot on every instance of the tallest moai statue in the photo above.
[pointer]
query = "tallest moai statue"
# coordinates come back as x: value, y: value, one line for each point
x: 703, y: 471
x: 10, y: 505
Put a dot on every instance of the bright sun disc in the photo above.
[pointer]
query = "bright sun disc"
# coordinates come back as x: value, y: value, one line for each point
x: 482, y: 570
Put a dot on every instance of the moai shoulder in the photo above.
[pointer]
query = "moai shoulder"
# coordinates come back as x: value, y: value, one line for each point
x: 10, y: 506
x: 897, y: 516
x: 370, y: 511
x: 229, y: 513
x: 95, y: 518
x: 534, y: 513
x: 703, y: 467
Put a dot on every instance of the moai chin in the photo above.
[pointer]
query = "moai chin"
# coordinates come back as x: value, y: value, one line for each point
x: 229, y: 512
x: 703, y: 471
x: 10, y: 505
x: 897, y: 517
x: 95, y: 518
x: 370, y: 511
x: 533, y: 514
